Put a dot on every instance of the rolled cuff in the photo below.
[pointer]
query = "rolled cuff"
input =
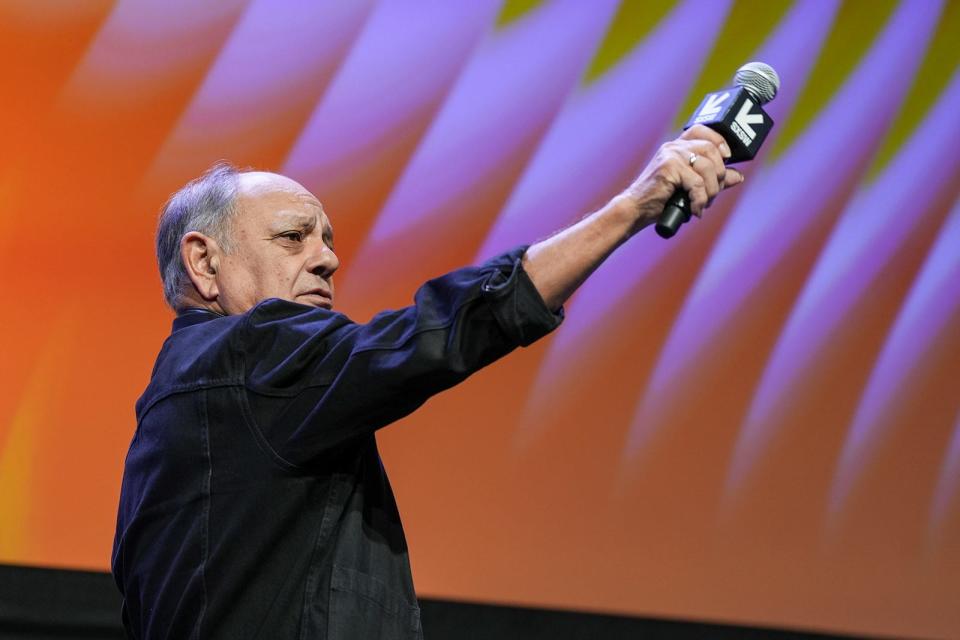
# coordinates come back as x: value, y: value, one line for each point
x: 517, y: 305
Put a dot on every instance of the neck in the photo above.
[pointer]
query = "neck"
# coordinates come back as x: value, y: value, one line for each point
x: 192, y: 300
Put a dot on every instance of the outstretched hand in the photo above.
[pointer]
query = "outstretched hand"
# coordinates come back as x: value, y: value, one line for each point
x: 693, y: 162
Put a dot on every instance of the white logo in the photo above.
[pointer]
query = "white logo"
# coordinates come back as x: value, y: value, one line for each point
x: 744, y: 119
x: 712, y: 106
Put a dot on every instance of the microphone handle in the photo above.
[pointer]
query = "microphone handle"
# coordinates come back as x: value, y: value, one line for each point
x: 675, y: 213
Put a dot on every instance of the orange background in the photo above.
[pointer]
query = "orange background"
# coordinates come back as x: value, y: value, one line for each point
x: 702, y: 438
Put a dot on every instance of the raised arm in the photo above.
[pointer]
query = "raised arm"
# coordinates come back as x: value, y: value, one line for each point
x: 561, y: 263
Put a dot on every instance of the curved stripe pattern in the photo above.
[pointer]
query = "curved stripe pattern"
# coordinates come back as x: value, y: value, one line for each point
x: 632, y: 267
x: 930, y: 313
x: 715, y: 408
x: 846, y: 132
x: 875, y: 227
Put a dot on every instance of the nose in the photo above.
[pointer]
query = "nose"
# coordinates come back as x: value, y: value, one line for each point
x: 324, y: 262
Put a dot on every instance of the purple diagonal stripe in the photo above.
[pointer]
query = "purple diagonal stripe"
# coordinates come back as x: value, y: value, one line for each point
x: 791, y: 196
x: 787, y: 49
x: 121, y: 68
x: 932, y: 307
x: 281, y: 52
x: 597, y: 136
x: 948, y: 486
x: 483, y: 121
x: 402, y: 62
x: 872, y: 229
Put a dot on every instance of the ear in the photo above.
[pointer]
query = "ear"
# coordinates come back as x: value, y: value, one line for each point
x: 201, y: 258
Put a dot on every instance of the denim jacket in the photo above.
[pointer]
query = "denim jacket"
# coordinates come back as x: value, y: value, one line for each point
x: 254, y: 503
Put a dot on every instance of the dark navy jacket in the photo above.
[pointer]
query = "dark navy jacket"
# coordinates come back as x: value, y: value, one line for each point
x: 254, y: 503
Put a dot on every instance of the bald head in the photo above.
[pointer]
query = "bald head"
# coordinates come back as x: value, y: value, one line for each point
x: 253, y: 182
x: 271, y: 239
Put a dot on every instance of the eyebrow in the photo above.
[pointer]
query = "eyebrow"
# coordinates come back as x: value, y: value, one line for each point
x: 307, y: 223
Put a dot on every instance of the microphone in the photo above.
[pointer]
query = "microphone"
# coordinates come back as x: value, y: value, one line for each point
x: 735, y: 114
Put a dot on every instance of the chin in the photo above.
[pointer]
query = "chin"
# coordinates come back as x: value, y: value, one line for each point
x: 315, y: 300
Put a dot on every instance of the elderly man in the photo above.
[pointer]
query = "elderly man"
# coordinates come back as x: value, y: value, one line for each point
x: 254, y: 503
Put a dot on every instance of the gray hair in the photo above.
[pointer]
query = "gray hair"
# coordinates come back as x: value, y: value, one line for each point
x: 205, y: 204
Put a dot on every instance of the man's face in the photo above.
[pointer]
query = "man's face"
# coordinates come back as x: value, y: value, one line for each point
x: 281, y: 246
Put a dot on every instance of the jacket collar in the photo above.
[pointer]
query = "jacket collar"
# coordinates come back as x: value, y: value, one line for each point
x: 192, y: 315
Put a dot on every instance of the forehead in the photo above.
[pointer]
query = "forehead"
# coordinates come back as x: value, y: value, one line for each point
x: 269, y: 198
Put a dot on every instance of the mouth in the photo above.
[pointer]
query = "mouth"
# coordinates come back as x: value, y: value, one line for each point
x: 318, y: 298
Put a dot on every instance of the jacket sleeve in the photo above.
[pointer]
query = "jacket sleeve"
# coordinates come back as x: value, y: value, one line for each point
x: 314, y: 379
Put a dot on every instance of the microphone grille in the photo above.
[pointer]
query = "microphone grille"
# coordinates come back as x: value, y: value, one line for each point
x: 759, y: 79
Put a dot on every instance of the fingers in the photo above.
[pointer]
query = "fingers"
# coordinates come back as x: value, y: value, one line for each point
x: 700, y: 132
x: 671, y: 169
x: 709, y: 166
x: 696, y: 187
x: 701, y: 172
x: 732, y: 179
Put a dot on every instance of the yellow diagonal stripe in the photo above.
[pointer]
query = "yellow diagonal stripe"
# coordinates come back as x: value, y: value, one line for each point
x: 746, y: 28
x: 513, y: 10
x: 854, y: 30
x: 633, y: 21
x: 938, y: 67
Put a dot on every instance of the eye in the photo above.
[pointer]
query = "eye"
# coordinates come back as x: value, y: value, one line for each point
x: 295, y: 236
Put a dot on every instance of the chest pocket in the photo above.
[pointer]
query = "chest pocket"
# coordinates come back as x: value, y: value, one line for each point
x: 364, y: 608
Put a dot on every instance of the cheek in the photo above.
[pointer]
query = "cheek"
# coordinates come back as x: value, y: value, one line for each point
x: 243, y: 281
x: 249, y: 278
x: 265, y: 275
x: 283, y: 275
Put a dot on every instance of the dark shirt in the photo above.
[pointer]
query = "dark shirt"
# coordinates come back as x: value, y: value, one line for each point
x: 254, y: 503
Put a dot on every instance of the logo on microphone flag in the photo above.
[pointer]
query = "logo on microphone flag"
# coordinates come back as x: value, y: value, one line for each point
x: 712, y: 105
x: 738, y: 117
x: 742, y: 124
